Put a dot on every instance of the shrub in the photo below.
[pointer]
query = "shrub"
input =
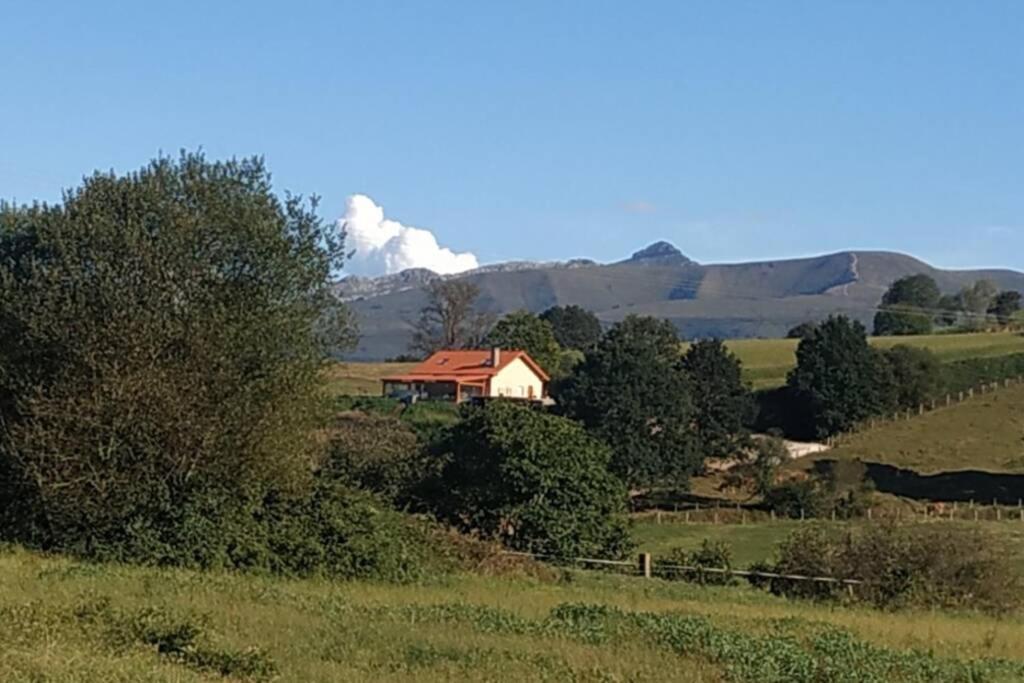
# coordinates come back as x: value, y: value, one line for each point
x: 377, y: 453
x: 710, y: 555
x: 798, y: 498
x: 902, y: 565
x: 537, y: 482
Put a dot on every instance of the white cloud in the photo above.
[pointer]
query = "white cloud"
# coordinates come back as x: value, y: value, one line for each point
x: 385, y: 246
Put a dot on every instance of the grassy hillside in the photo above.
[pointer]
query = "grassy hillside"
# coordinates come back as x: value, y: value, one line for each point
x: 982, y: 433
x: 65, y: 621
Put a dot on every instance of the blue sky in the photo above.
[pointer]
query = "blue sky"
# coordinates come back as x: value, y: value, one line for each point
x: 736, y: 130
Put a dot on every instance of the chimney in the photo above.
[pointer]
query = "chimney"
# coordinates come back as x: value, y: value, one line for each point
x: 495, y: 356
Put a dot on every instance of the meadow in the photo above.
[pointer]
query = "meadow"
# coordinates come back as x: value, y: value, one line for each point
x: 765, y: 361
x: 983, y: 432
x: 62, y: 620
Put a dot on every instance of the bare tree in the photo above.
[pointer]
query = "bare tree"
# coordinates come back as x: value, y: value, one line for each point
x: 449, y: 320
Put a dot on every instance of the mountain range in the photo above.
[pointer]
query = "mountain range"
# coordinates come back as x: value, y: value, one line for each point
x: 755, y: 299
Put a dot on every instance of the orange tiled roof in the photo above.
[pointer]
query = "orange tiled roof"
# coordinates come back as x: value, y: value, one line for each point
x: 464, y: 366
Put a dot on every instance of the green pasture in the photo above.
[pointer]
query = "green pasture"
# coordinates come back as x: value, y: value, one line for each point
x: 62, y: 620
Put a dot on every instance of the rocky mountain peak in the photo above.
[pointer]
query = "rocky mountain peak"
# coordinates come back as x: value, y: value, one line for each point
x: 660, y: 253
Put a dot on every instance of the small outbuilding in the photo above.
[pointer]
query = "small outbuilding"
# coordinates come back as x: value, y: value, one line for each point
x: 468, y: 374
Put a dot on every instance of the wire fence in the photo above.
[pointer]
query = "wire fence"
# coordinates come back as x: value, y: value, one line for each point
x: 932, y: 511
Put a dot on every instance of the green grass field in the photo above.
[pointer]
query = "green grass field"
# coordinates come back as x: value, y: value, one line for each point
x: 985, y: 432
x: 361, y: 379
x: 756, y: 542
x: 61, y: 620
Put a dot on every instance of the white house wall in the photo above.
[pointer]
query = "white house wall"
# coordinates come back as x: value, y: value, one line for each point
x: 516, y: 379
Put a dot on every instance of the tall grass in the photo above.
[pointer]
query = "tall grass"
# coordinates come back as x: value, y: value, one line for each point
x: 66, y: 621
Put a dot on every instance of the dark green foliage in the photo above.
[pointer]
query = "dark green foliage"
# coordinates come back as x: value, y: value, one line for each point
x: 769, y: 455
x: 426, y: 418
x: 633, y: 393
x: 919, y: 291
x: 538, y: 482
x: 962, y: 375
x: 376, y: 453
x: 838, y: 488
x: 908, y: 306
x: 915, y: 375
x: 838, y: 378
x: 1005, y: 306
x: 948, y: 309
x: 160, y: 392
x: 722, y: 403
x: 182, y: 639
x: 902, y: 565
x: 523, y: 331
x: 342, y: 532
x: 902, y: 320
x: 680, y: 564
x: 163, y: 338
x: 800, y: 331
x: 575, y: 327
x: 797, y: 499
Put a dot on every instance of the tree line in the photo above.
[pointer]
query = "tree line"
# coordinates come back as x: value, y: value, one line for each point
x: 915, y: 305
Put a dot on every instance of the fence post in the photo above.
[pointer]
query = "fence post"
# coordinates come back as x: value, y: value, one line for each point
x: 801, y: 514
x: 657, y: 515
x: 948, y: 399
x: 645, y: 565
x: 920, y: 409
x: 773, y: 514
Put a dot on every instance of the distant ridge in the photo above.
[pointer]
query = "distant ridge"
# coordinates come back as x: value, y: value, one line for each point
x: 756, y: 299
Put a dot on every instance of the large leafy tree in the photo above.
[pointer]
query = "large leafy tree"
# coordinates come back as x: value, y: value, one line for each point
x: 1005, y: 306
x: 839, y: 379
x: 632, y: 392
x: 975, y: 302
x: 722, y: 404
x: 163, y: 338
x: 536, y: 481
x: 574, y: 326
x: 523, y: 331
x: 908, y: 306
x: 915, y: 374
x: 449, y: 320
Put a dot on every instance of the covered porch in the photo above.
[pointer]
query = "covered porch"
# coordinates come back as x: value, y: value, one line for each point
x: 449, y: 388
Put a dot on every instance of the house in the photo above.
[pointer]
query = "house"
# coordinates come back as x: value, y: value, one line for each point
x: 463, y: 375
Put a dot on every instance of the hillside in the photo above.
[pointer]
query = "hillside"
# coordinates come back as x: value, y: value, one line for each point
x: 758, y: 299
x: 984, y: 433
x: 74, y: 622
